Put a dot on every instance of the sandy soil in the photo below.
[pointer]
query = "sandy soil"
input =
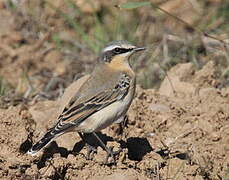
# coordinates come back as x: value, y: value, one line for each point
x: 179, y: 132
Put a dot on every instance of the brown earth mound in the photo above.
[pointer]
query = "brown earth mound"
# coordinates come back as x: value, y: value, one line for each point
x: 178, y: 132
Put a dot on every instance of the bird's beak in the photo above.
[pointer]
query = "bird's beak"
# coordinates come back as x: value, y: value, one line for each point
x: 139, y: 49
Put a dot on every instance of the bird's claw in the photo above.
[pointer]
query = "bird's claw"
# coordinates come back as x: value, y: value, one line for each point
x: 111, y: 153
x: 91, y: 150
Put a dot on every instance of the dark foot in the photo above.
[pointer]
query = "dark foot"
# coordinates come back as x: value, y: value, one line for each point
x: 109, y: 150
x: 111, y: 153
x: 91, y: 150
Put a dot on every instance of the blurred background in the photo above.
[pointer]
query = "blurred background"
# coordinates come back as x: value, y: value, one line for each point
x: 46, y: 44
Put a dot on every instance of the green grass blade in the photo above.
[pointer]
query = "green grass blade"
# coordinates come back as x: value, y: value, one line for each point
x: 133, y: 5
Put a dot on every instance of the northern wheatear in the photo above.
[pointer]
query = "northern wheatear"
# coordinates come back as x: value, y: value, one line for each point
x: 103, y: 99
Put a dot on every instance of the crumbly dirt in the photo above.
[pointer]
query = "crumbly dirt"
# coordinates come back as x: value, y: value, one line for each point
x: 180, y: 131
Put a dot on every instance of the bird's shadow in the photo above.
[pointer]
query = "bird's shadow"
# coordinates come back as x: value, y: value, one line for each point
x: 53, y: 148
x: 92, y: 140
x: 137, y: 148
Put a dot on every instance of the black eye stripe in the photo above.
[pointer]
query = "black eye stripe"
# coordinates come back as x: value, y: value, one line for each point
x: 121, y: 50
x: 107, y: 55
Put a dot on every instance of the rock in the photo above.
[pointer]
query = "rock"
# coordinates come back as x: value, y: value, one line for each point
x: 159, y: 108
x: 176, y: 82
x: 122, y: 175
x: 44, y: 114
x: 206, y: 93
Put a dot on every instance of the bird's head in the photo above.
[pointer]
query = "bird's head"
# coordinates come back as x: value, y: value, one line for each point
x: 118, y: 52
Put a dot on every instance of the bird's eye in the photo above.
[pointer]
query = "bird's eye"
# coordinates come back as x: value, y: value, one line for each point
x: 117, y: 50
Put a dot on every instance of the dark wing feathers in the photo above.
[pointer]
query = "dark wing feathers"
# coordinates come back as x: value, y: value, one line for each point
x: 77, y: 113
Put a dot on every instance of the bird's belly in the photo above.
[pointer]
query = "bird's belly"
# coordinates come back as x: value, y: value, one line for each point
x: 106, y: 116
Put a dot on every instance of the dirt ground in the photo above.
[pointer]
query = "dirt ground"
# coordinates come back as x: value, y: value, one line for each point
x: 177, y: 132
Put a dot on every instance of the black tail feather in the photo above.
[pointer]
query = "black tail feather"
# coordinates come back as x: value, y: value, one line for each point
x: 58, y: 130
x: 44, y: 141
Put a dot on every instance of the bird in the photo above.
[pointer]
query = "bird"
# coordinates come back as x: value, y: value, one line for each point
x: 102, y: 99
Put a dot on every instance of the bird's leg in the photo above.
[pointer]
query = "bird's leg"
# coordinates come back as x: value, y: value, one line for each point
x: 91, y: 150
x: 122, y: 125
x: 109, y: 150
